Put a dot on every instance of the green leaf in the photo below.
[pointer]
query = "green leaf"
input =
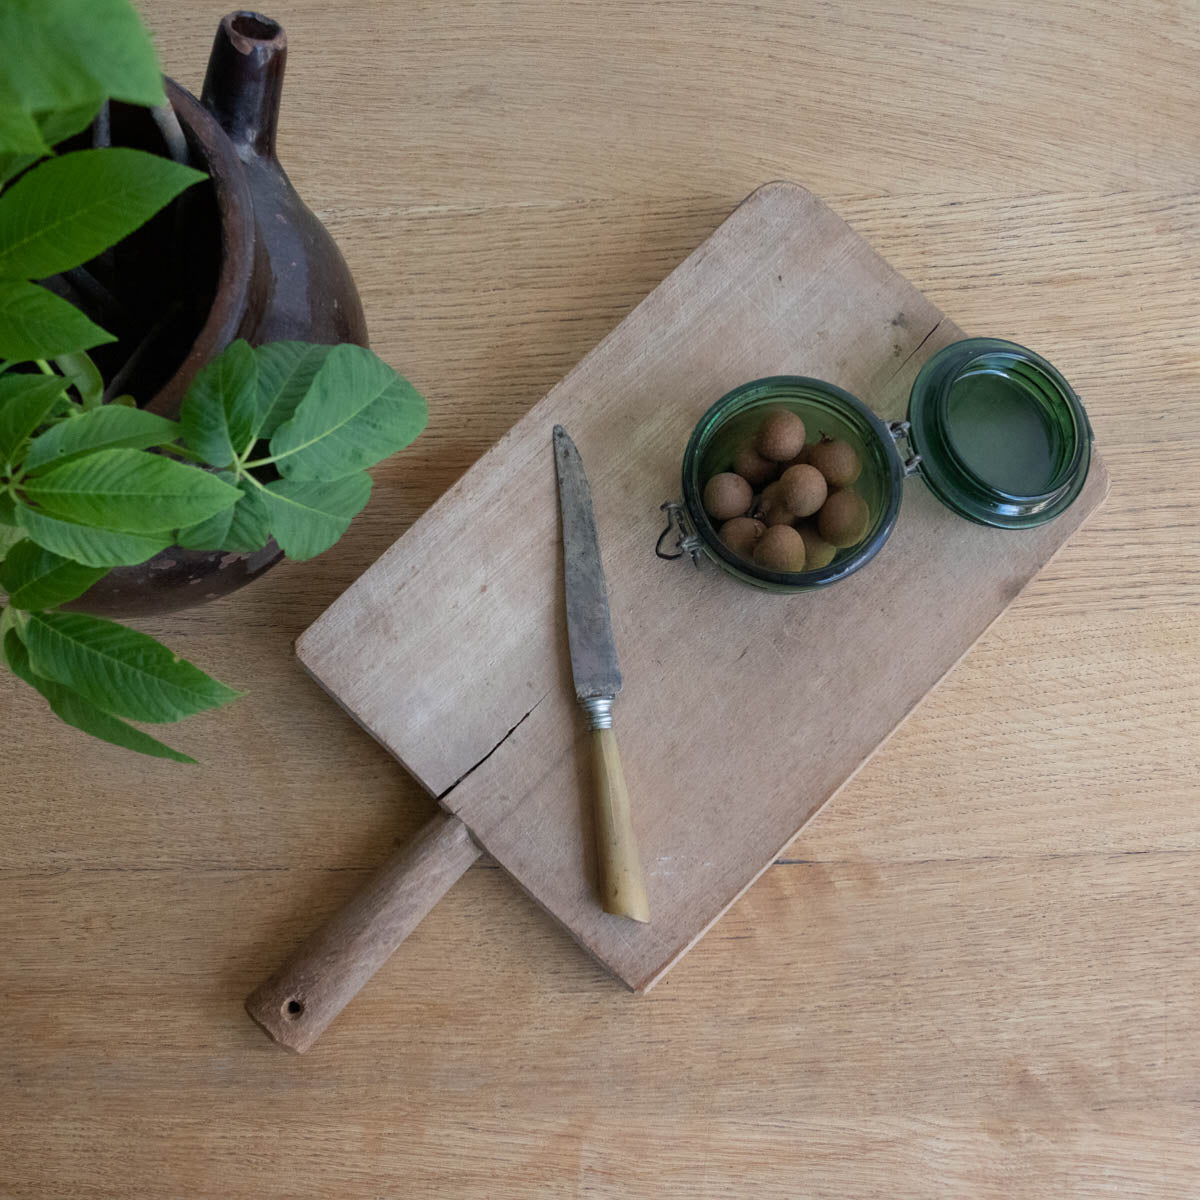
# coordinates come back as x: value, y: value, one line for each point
x: 53, y: 126
x: 8, y: 509
x: 58, y: 124
x: 9, y: 537
x: 68, y: 209
x: 92, y: 547
x: 356, y: 412
x: 250, y: 528
x: 104, y: 428
x: 285, y: 373
x: 243, y: 528
x: 207, y: 535
x: 72, y: 708
x: 84, y: 376
x: 35, y: 323
x: 220, y: 415
x: 12, y: 165
x: 19, y: 132
x: 62, y: 53
x: 308, y: 517
x: 25, y: 402
x: 35, y: 577
x: 131, y: 491
x: 119, y: 670
x: 9, y: 620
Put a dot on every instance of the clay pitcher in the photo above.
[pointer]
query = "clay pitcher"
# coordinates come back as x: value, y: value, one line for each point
x: 271, y: 268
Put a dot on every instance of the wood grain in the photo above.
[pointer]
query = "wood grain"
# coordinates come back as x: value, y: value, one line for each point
x: 973, y: 975
x: 744, y: 711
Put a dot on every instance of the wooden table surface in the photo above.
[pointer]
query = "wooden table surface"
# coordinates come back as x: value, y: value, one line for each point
x: 975, y: 975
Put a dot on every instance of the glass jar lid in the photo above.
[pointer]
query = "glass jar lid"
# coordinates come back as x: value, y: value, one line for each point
x: 1002, y: 437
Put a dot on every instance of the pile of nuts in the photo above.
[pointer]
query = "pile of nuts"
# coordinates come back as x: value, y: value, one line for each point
x: 787, y: 506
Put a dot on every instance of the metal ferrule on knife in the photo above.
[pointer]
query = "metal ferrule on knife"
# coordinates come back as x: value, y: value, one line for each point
x: 599, y: 711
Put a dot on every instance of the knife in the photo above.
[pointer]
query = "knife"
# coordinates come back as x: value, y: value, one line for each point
x: 597, y: 681
x: 326, y: 971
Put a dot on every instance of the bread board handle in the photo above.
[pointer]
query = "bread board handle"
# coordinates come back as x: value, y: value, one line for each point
x: 326, y: 972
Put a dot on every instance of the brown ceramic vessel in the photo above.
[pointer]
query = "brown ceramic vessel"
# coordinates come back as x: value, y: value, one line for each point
x: 240, y: 255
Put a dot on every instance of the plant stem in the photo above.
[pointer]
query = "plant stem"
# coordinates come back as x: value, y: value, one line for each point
x: 102, y: 128
x: 172, y: 133
x: 116, y: 385
x: 47, y: 369
x: 247, y: 475
x: 102, y: 304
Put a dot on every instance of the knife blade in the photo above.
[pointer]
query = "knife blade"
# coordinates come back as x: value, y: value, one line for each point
x: 597, y: 676
x: 589, y: 625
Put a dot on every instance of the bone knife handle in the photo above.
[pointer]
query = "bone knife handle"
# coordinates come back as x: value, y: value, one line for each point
x: 622, y: 890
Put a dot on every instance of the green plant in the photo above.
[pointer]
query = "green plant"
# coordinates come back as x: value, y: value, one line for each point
x: 272, y: 441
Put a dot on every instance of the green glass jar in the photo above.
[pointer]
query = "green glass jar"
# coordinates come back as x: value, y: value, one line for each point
x: 995, y: 430
x: 735, y: 418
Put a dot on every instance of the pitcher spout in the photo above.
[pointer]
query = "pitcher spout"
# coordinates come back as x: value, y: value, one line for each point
x: 244, y: 81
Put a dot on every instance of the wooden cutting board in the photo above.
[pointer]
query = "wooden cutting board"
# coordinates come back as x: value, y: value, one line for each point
x: 743, y: 712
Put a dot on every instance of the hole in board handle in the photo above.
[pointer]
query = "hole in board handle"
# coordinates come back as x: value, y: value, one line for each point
x: 293, y: 1009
